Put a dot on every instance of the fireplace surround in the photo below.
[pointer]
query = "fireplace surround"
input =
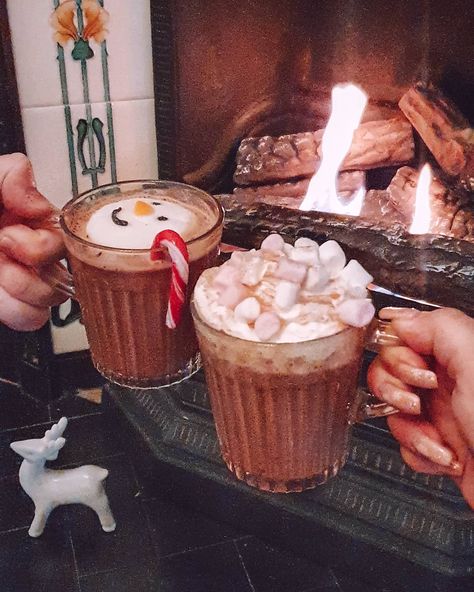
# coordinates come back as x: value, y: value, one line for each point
x: 225, y: 72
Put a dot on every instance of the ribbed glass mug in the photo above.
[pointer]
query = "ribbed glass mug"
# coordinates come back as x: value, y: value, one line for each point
x: 284, y: 411
x: 123, y: 295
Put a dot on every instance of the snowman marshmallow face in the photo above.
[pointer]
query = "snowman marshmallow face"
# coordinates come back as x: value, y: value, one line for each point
x: 134, y: 223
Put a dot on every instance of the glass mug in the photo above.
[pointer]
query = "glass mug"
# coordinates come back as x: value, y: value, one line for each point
x: 123, y: 295
x: 284, y: 411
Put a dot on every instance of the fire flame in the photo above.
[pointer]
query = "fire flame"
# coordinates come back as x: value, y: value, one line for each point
x: 348, y: 104
x: 422, y: 216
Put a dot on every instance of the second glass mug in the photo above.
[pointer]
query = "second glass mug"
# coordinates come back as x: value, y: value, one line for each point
x: 284, y: 411
x: 123, y: 295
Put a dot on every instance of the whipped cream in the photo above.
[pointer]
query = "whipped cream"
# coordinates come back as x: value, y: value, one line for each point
x: 134, y: 223
x: 285, y: 293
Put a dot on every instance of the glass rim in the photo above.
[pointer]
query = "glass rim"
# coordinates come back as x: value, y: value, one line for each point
x: 196, y: 316
x: 68, y: 205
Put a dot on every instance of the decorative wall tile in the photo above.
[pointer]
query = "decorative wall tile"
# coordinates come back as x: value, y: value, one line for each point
x: 46, y: 146
x: 84, y: 72
x: 34, y: 52
x: 46, y: 139
x: 135, y: 155
x: 126, y: 52
x: 135, y: 139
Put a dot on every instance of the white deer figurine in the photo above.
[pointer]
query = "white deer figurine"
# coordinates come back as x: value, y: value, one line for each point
x: 49, y: 489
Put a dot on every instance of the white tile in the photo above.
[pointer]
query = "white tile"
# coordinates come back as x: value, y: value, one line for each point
x: 46, y: 143
x: 129, y: 60
x: 129, y: 49
x: 135, y: 139
x: 35, y: 52
x: 70, y: 338
x: 47, y: 147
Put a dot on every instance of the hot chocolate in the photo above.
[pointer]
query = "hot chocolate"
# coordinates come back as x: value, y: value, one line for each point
x: 281, y: 333
x: 123, y: 293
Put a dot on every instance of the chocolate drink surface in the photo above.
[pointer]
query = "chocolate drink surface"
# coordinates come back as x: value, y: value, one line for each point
x: 123, y: 294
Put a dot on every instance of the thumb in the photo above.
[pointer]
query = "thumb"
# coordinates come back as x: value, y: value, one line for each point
x: 18, y: 194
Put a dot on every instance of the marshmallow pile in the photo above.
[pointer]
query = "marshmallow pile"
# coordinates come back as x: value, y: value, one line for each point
x: 285, y: 293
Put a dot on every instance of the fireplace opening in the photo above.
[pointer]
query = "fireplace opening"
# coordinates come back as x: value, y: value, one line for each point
x: 243, y: 94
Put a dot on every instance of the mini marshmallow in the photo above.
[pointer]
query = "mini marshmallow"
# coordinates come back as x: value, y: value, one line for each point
x: 227, y: 275
x: 254, y: 271
x: 286, y: 294
x: 273, y: 242
x: 265, y: 292
x: 267, y: 325
x: 307, y: 255
x: 292, y: 313
x: 291, y: 271
x: 288, y: 249
x: 357, y: 312
x: 232, y: 295
x: 237, y: 258
x: 332, y: 257
x: 305, y: 242
x: 316, y: 279
x: 355, y: 278
x: 247, y: 310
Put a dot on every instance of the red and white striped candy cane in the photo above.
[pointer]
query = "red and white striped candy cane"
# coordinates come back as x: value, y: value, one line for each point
x: 178, y: 253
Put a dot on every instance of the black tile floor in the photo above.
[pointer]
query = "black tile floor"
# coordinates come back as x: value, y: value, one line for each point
x: 157, y: 546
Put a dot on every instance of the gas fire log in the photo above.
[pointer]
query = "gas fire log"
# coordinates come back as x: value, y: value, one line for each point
x: 434, y: 268
x: 376, y: 207
x: 348, y: 183
x: 452, y: 210
x: 446, y: 132
x: 376, y: 144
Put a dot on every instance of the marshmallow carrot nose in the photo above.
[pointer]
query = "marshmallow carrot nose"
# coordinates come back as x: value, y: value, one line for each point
x: 142, y: 208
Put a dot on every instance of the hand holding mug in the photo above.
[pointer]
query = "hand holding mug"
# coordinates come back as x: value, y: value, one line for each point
x: 431, y: 381
x: 24, y: 298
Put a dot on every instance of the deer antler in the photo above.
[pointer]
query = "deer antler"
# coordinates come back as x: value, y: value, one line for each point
x: 55, y: 445
x: 56, y: 430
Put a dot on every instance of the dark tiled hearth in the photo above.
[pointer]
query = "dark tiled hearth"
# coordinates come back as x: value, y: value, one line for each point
x: 158, y: 546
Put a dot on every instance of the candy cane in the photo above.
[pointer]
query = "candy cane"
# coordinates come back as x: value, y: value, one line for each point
x: 177, y: 251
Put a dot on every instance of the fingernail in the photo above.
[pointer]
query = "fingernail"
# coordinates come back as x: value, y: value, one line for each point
x: 418, y: 377
x: 457, y: 468
x: 435, y: 452
x: 403, y: 400
x: 395, y: 312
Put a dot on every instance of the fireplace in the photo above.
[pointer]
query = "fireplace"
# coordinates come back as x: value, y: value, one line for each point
x: 226, y: 72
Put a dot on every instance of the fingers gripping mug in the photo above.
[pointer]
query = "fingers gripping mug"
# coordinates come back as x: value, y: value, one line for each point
x: 122, y: 293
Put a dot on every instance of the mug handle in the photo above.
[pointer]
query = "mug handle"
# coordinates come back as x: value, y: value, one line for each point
x: 56, y: 274
x: 380, y: 334
x: 58, y: 277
